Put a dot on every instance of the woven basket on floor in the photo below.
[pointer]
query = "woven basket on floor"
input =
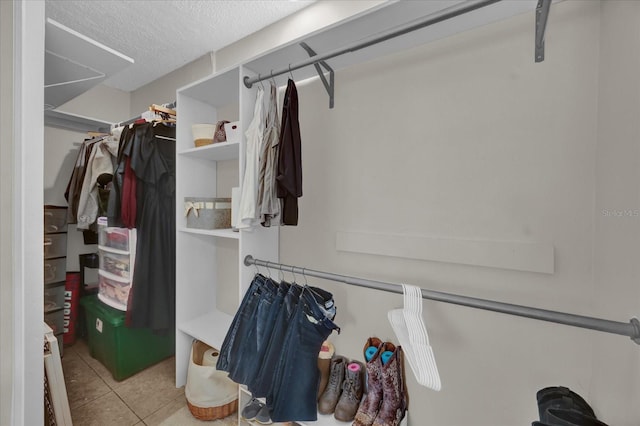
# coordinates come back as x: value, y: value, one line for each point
x: 213, y: 413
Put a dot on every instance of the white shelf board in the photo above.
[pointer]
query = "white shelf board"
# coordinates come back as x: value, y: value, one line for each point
x: 323, y: 420
x: 219, y: 89
x: 74, y: 63
x: 210, y: 328
x: 222, y: 233
x: 74, y: 122
x: 215, y: 152
x: 377, y: 21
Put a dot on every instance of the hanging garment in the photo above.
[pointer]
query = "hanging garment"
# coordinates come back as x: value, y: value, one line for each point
x: 289, y: 175
x: 268, y: 203
x: 74, y: 187
x: 152, y: 297
x: 273, y: 343
x: 102, y: 160
x: 247, y: 212
x: 128, y: 200
x: 114, y: 209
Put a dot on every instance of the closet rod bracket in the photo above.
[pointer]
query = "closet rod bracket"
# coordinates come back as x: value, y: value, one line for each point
x: 542, y: 14
x: 329, y: 86
x: 636, y: 325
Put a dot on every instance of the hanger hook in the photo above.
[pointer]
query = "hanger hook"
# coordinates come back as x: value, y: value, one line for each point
x: 268, y: 270
x: 290, y: 72
x: 294, y: 274
x: 304, y: 275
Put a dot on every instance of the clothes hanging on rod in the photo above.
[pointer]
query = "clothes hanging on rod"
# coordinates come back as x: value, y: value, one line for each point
x: 630, y: 329
x: 164, y: 112
x: 268, y: 205
x: 247, y: 210
x: 143, y: 195
x: 289, y: 171
x: 273, y: 343
x: 100, y: 166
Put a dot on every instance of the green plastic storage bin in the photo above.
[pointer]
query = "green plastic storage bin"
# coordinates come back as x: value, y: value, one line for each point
x: 124, y: 351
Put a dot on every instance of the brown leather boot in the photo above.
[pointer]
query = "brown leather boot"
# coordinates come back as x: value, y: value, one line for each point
x: 394, y: 401
x: 324, y: 365
x: 329, y: 398
x: 371, y: 401
x: 352, y: 389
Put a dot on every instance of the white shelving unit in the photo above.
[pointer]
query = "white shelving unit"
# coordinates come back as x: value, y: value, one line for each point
x: 202, y: 256
x: 202, y: 265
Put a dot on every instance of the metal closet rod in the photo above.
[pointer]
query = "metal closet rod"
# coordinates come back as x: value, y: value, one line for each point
x: 630, y: 329
x: 448, y: 13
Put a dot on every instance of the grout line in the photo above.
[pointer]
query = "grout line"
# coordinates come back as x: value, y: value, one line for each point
x: 127, y: 405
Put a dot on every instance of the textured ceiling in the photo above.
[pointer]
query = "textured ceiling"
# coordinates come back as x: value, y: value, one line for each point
x: 164, y: 35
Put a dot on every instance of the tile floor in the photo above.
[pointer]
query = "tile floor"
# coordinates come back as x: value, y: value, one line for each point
x: 148, y: 398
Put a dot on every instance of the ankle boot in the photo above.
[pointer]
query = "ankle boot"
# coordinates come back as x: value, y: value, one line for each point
x: 329, y: 398
x: 372, y: 399
x: 324, y: 365
x: 561, y: 417
x: 352, y: 389
x: 394, y: 401
x: 563, y: 398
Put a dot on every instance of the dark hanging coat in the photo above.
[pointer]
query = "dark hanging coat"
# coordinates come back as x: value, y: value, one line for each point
x: 289, y: 174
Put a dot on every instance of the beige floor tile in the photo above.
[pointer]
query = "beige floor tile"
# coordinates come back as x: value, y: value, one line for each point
x: 183, y: 417
x: 82, y: 349
x: 151, y: 389
x: 107, y: 410
x: 82, y: 383
x: 155, y: 419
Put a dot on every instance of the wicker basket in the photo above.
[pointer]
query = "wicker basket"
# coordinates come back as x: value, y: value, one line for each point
x: 210, y: 393
x: 213, y: 413
x: 203, y: 134
x: 202, y: 142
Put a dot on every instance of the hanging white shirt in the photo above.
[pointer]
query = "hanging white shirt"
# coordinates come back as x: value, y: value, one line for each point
x: 247, y: 211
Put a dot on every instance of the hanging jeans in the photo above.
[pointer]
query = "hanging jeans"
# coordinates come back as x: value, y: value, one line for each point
x: 293, y: 394
x: 264, y: 333
x: 241, y: 324
x: 273, y: 349
x: 246, y: 354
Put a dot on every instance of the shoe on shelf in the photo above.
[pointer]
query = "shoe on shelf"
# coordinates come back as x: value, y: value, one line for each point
x: 251, y: 410
x: 264, y: 416
x: 329, y: 398
x: 324, y: 365
x: 352, y: 389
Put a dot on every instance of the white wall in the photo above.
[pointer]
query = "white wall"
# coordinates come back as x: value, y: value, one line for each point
x: 467, y: 138
x: 163, y: 90
x: 616, y: 366
x: 101, y: 102
x: 22, y: 228
x: 314, y: 17
x: 6, y: 216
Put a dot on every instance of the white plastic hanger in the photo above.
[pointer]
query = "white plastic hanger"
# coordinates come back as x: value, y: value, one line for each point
x: 410, y: 330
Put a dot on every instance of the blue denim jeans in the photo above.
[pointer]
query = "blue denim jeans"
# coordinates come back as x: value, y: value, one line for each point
x: 246, y: 355
x: 272, y: 351
x: 294, y: 389
x: 264, y: 332
x: 241, y: 323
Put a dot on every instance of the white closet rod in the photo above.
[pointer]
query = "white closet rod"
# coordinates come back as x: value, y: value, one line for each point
x: 630, y: 329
